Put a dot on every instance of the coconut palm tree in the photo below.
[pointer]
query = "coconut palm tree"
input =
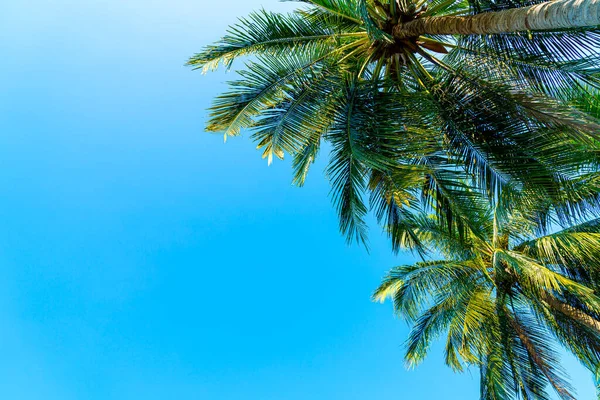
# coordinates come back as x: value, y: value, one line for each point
x: 417, y: 97
x: 506, y: 297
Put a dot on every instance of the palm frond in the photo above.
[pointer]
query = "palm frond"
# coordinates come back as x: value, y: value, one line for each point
x: 273, y: 34
x: 346, y: 9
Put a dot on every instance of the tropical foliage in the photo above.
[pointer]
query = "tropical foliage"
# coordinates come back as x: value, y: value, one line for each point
x: 468, y: 140
x: 412, y: 117
x: 505, y: 297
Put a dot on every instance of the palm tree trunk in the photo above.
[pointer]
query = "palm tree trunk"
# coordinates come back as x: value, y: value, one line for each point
x: 573, y: 313
x: 550, y: 15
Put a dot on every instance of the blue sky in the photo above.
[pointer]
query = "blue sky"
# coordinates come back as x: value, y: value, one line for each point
x: 143, y: 258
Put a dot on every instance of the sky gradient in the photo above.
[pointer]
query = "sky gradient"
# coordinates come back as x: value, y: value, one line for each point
x: 143, y: 258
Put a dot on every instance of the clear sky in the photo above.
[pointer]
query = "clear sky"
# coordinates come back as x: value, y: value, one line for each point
x: 143, y: 258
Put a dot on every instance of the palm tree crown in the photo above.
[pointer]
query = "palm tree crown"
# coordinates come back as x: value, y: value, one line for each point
x: 505, y: 297
x: 412, y: 116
